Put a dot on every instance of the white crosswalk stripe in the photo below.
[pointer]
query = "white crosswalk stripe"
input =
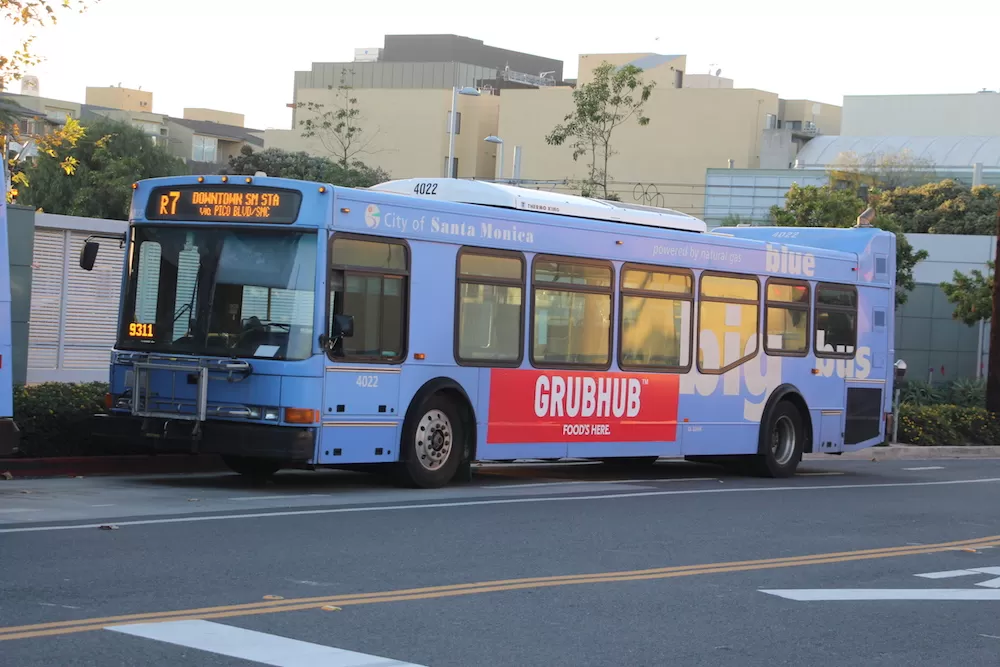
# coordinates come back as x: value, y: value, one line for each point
x: 254, y: 646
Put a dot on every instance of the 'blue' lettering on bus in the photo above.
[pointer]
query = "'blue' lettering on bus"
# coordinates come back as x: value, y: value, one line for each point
x: 790, y: 262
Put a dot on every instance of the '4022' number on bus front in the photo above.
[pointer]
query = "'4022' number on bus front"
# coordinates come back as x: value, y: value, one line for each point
x: 367, y: 381
x: 425, y: 189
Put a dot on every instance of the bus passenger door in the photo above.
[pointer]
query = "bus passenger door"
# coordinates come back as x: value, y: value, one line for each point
x: 361, y: 411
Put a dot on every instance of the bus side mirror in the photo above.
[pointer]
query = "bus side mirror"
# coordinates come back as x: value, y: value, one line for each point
x: 900, y: 367
x: 88, y: 255
x: 343, y: 326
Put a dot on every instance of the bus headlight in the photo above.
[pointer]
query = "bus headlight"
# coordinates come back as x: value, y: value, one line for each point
x: 271, y: 414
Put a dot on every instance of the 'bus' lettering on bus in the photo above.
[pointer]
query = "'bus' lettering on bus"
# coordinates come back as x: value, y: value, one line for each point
x: 790, y: 262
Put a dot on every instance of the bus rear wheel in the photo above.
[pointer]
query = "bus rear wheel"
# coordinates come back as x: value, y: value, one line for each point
x: 433, y: 444
x: 782, y: 442
x: 254, y: 468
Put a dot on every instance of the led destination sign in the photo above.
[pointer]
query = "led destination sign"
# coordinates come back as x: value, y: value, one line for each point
x: 223, y: 203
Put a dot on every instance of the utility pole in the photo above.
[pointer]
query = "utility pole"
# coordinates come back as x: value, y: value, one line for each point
x: 993, y: 365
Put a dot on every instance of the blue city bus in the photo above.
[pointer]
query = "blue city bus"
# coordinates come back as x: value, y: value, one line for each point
x: 426, y: 324
x: 8, y: 429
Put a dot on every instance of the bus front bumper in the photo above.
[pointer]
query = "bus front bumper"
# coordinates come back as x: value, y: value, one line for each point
x: 286, y: 443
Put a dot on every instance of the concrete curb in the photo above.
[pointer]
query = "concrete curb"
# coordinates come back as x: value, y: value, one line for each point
x: 162, y: 464
x: 914, y: 452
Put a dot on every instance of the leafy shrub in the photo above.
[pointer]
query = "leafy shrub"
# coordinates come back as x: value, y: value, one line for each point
x: 947, y: 425
x: 53, y: 417
x: 966, y: 392
x: 918, y: 392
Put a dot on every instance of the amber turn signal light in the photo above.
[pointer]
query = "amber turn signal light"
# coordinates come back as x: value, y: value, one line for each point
x: 301, y: 416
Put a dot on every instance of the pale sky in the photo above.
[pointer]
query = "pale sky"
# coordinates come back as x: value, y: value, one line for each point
x: 240, y: 55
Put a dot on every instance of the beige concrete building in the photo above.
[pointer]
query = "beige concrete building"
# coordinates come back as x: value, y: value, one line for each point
x: 116, y: 97
x: 969, y: 115
x: 215, y: 116
x: 697, y: 122
x: 405, y: 131
x: 691, y: 129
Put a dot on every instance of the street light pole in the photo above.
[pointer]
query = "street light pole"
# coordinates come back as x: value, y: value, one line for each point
x: 455, y: 92
x: 493, y: 139
x: 451, y: 133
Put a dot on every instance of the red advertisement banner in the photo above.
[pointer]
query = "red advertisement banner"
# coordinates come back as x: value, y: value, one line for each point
x: 588, y: 406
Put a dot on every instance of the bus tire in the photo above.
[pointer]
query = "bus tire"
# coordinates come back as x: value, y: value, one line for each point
x: 254, y: 468
x: 782, y: 442
x: 432, y: 445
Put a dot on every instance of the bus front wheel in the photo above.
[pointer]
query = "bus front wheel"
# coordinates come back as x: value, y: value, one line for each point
x: 433, y: 444
x: 782, y: 442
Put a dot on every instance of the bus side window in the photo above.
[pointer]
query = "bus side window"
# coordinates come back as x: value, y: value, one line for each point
x: 490, y: 308
x: 786, y: 318
x: 368, y: 281
x: 836, y: 321
x: 571, y: 304
x: 656, y: 311
x: 728, y: 304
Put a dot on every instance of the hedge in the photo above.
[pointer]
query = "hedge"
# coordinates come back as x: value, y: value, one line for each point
x: 54, y: 417
x: 947, y: 425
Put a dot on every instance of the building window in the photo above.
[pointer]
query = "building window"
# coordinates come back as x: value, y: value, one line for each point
x: 656, y: 311
x: 728, y: 312
x: 490, y: 308
x: 454, y: 162
x: 770, y: 121
x: 786, y: 318
x: 369, y: 282
x: 458, y: 123
x: 836, y: 321
x: 571, y: 312
x: 204, y: 149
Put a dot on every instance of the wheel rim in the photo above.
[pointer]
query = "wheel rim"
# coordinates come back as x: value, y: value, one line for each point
x: 434, y: 441
x: 783, y: 440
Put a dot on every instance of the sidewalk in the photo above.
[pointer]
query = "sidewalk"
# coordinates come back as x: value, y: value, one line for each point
x: 77, y: 466
x: 915, y: 452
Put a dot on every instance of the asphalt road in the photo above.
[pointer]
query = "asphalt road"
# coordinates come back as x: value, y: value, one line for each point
x: 528, y: 565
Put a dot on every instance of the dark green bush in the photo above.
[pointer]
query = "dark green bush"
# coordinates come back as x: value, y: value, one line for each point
x: 54, y: 417
x: 947, y: 425
x: 967, y: 392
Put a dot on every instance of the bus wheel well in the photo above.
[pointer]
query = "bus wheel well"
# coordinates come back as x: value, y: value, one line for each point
x: 791, y: 394
x: 454, y: 392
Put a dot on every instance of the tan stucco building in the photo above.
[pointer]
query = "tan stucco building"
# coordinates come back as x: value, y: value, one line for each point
x: 695, y: 124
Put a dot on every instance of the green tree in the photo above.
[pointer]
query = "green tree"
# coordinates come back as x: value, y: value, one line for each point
x: 945, y: 207
x: 339, y: 127
x: 972, y: 295
x: 735, y: 220
x: 23, y: 15
x: 812, y: 206
x: 300, y: 165
x: 884, y: 170
x: 108, y: 159
x: 614, y: 97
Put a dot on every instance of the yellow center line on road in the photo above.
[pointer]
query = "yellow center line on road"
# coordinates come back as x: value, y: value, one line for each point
x: 454, y: 590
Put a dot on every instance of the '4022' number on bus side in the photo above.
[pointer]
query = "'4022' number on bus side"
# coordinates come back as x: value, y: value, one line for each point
x: 367, y: 381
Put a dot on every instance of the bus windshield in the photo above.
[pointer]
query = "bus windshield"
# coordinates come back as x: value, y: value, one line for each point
x: 223, y: 292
